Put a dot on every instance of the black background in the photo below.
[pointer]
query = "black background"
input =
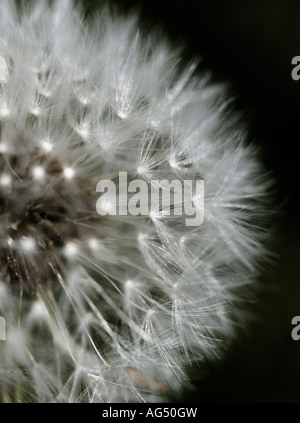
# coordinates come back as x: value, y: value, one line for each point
x: 251, y: 45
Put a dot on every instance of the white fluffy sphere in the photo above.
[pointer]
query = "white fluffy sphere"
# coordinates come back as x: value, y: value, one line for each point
x: 106, y: 307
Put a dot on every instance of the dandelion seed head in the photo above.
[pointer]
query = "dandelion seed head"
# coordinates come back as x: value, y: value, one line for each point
x: 141, y: 237
x: 46, y: 145
x: 38, y: 310
x: 140, y: 170
x: 71, y: 250
x: 84, y: 100
x: 106, y: 307
x: 27, y: 244
x: 3, y: 148
x: 122, y: 115
x: 5, y: 180
x: 4, y: 111
x: 69, y: 173
x: 153, y: 215
x: 35, y: 111
x: 173, y: 163
x: 94, y: 244
x: 84, y: 132
x: 129, y: 284
x: 38, y: 172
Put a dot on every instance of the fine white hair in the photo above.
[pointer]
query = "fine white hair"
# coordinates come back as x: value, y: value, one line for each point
x: 116, y: 308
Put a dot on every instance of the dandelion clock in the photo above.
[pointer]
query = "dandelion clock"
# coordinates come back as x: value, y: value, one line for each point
x: 132, y: 210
